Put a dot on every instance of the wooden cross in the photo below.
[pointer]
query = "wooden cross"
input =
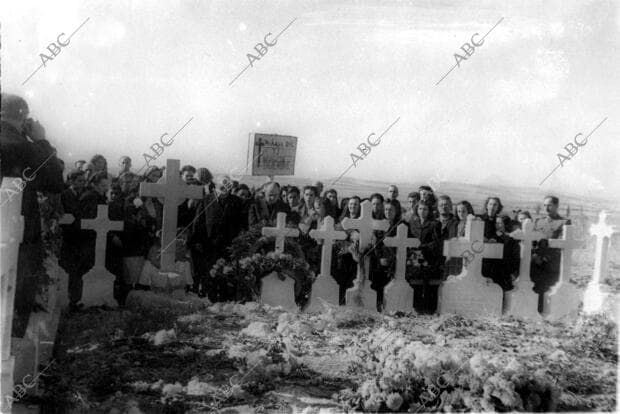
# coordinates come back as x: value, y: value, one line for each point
x: 101, y: 225
x: 328, y: 235
x: 593, y: 297
x: 173, y: 190
x: 567, y: 243
x: 527, y: 235
x: 280, y: 231
x: 365, y: 225
x: 401, y: 242
x: 474, y: 234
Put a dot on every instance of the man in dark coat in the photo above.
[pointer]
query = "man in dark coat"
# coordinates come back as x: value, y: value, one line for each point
x: 275, y: 204
x: 545, y: 267
x: 28, y: 156
x: 71, y: 245
x: 449, y: 224
x: 214, y: 232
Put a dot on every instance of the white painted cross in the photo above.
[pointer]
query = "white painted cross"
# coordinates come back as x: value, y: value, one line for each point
x: 361, y: 294
x: 522, y: 301
x: 280, y: 231
x: 593, y: 297
x: 470, y: 293
x: 398, y: 294
x: 561, y: 301
x: 173, y: 191
x: 365, y: 224
x: 101, y: 225
x: 325, y: 287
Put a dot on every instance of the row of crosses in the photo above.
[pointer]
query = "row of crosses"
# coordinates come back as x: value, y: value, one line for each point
x: 173, y: 191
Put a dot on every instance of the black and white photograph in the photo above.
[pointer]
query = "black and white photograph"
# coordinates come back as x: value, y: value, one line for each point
x: 310, y: 206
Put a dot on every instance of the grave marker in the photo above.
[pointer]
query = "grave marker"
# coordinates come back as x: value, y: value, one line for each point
x: 522, y: 301
x: 280, y: 231
x: 471, y: 294
x: 561, y: 301
x: 361, y: 295
x: 173, y: 191
x: 325, y: 287
x: 276, y: 292
x: 593, y: 297
x: 98, y: 283
x: 398, y: 294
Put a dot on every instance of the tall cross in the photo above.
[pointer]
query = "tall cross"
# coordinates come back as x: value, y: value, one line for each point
x: 567, y: 243
x: 527, y: 235
x: 173, y: 190
x: 280, y: 231
x: 365, y: 224
x: 474, y: 237
x: 593, y: 298
x: 101, y: 225
x: 328, y: 235
x: 401, y: 242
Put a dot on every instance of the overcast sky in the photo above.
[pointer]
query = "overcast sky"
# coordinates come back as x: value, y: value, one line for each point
x: 342, y: 70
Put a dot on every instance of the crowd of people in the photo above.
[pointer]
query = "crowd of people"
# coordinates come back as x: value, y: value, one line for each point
x: 208, y: 226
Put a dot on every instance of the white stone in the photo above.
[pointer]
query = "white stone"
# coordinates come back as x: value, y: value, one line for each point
x: 257, y: 329
x: 325, y: 287
x: 398, y: 294
x: 276, y: 292
x: 522, y: 301
x: 173, y: 191
x: 563, y: 300
x: 98, y: 288
x: 471, y: 294
x: 280, y: 231
x: 163, y: 337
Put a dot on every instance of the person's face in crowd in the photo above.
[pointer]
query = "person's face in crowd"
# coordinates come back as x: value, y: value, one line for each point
x: 377, y: 205
x: 187, y: 176
x: 80, y: 166
x: 243, y: 194
x: 492, y: 207
x: 411, y: 202
x: 319, y: 188
x: 444, y: 206
x: 126, y: 183
x: 425, y: 194
x: 521, y: 218
x: 100, y: 164
x: 102, y: 187
x: 354, y: 207
x: 423, y: 211
x: 79, y: 183
x: 499, y: 225
x: 153, y: 176
x: 309, y: 197
x: 390, y: 212
x: 223, y: 187
x: 125, y: 164
x: 283, y: 194
x: 332, y: 198
x: 273, y: 194
x: 392, y: 192
x: 550, y: 208
x: 461, y: 212
x: 293, y: 199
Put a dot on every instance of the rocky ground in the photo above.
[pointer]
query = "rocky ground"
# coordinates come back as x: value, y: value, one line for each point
x: 160, y: 355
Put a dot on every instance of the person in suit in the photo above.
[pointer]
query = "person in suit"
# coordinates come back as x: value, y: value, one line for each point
x: 28, y: 156
x: 218, y: 222
x: 334, y: 211
x: 71, y: 245
x: 454, y: 265
x: 412, y: 200
x: 545, y: 267
x: 392, y: 195
x: 428, y: 231
x: 308, y: 215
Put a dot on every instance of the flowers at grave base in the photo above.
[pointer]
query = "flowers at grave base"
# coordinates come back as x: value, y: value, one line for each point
x: 410, y: 375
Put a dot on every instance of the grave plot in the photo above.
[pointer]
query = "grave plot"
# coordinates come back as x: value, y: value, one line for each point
x: 202, y: 358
